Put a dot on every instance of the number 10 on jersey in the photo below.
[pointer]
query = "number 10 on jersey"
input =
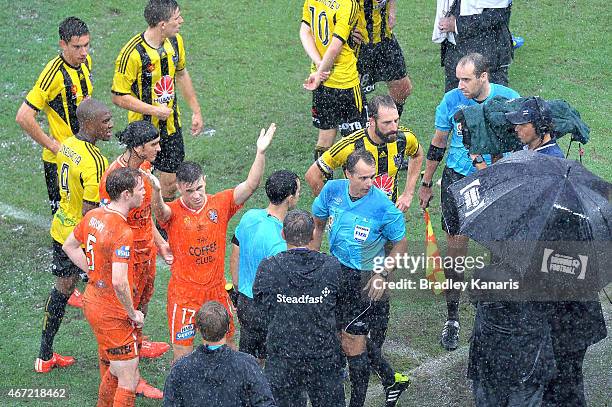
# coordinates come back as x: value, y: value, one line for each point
x: 321, y: 24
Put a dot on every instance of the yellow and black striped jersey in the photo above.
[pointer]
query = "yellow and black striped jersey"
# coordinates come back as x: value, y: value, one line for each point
x: 388, y: 156
x: 80, y: 166
x: 57, y: 92
x: 149, y: 74
x: 373, y: 21
x: 334, y: 18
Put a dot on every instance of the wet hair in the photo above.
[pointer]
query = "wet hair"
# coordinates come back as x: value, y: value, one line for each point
x: 188, y: 172
x: 157, y: 11
x: 137, y: 133
x: 298, y: 227
x: 121, y: 179
x: 355, y: 156
x: 481, y: 64
x: 89, y: 109
x: 72, y: 27
x: 377, y: 101
x: 280, y: 185
x: 213, y: 321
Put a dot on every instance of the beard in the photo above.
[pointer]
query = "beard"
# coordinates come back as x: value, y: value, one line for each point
x: 386, y: 137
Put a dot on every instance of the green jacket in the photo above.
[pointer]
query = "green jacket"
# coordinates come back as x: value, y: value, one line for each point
x: 486, y: 130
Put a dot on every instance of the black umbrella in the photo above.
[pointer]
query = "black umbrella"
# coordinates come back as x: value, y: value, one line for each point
x: 545, y: 216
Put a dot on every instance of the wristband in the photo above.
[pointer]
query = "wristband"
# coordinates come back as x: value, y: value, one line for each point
x: 435, y: 153
x: 427, y: 184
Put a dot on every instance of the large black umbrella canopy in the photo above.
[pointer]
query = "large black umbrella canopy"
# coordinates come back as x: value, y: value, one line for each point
x: 529, y: 202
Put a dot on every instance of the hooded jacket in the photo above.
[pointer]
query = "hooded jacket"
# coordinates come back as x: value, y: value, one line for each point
x: 296, y: 292
x: 217, y: 378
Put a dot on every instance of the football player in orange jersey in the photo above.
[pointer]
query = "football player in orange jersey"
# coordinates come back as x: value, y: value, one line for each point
x: 197, y: 224
x: 142, y: 141
x: 108, y: 302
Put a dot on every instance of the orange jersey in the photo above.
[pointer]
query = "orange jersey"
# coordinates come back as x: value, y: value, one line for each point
x: 139, y: 219
x: 197, y: 239
x: 108, y: 239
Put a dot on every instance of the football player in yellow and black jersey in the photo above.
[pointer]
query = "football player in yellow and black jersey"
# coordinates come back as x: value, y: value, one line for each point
x: 380, y: 57
x: 337, y: 99
x: 62, y: 85
x: 80, y: 165
x: 147, y: 72
x: 388, y: 142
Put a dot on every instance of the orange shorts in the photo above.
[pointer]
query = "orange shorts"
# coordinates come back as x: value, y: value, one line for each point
x: 117, y: 338
x: 183, y: 304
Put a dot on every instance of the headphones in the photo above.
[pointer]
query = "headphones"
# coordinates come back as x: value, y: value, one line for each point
x: 543, y: 124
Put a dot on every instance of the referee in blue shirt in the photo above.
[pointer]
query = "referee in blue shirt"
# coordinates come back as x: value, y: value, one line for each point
x: 361, y: 221
x: 258, y: 236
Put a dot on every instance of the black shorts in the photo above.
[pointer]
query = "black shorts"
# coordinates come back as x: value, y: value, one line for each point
x: 61, y: 265
x: 450, y: 216
x: 339, y: 108
x: 172, y: 152
x: 52, y: 185
x: 252, y: 333
x: 357, y: 314
x: 380, y: 62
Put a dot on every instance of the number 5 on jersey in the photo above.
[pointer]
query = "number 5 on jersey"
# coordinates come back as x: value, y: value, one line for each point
x: 89, y: 251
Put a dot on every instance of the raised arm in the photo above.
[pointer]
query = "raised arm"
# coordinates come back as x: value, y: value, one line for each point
x: 161, y: 210
x: 245, y: 189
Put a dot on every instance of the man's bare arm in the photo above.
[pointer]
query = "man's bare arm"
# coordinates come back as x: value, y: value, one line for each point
x: 314, y: 178
x: 317, y: 236
x: 26, y: 119
x: 439, y: 141
x: 129, y: 102
x: 161, y: 210
x: 121, y: 285
x: 183, y: 79
x: 235, y: 264
x: 309, y: 45
x: 244, y: 190
x: 72, y: 248
x: 414, y: 171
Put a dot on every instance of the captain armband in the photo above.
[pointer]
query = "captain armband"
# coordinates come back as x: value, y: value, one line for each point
x: 435, y: 153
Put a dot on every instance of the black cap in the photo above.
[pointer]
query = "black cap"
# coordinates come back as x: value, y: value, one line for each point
x: 531, y: 110
x: 137, y: 134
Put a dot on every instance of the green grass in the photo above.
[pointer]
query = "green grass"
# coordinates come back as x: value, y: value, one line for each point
x: 248, y: 65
